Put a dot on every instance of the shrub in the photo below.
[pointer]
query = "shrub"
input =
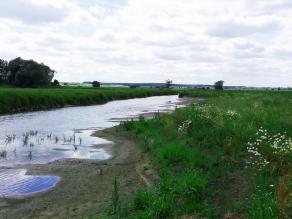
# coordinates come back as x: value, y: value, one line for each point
x: 172, y: 153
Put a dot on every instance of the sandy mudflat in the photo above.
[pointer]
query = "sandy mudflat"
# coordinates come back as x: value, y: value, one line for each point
x: 86, y: 185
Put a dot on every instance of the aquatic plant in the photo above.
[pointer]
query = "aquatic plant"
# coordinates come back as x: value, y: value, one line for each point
x: 67, y: 140
x: 32, y: 133
x: 56, y: 139
x: 30, y: 155
x: 49, y: 135
x: 14, y: 151
x: 3, y: 154
x: 74, y: 138
x: 8, y: 139
x: 25, y: 138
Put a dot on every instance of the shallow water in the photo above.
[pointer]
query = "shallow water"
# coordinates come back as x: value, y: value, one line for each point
x: 45, y: 136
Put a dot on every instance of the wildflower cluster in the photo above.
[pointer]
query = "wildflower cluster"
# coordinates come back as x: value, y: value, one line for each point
x: 211, y: 111
x: 232, y: 114
x: 257, y: 159
x: 279, y: 144
x: 183, y: 128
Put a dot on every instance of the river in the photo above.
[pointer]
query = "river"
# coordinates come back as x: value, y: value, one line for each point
x: 45, y: 136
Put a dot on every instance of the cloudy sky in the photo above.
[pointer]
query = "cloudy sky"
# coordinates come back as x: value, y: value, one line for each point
x: 243, y: 42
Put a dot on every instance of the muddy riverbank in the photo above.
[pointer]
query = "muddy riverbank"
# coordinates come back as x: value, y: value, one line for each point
x: 86, y: 185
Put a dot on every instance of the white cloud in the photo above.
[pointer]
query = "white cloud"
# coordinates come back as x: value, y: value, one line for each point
x: 243, y: 42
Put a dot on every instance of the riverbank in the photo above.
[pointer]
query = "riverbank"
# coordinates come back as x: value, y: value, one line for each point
x: 86, y: 185
x: 229, y: 157
x: 15, y: 100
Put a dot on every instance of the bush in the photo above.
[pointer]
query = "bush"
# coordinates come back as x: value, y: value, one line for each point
x: 191, y: 185
x: 172, y: 153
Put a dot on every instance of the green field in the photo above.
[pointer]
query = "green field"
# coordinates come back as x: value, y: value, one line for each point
x: 13, y: 100
x: 228, y: 157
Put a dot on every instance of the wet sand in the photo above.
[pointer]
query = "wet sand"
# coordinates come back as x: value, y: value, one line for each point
x: 86, y: 185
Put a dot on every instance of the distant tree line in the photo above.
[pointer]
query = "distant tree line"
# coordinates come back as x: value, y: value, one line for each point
x: 25, y: 73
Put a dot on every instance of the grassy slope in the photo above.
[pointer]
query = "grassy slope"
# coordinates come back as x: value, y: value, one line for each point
x: 14, y: 100
x: 206, y: 170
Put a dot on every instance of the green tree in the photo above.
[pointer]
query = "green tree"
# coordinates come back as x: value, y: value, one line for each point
x: 219, y: 85
x: 3, y: 71
x: 55, y: 83
x: 95, y: 84
x: 28, y: 73
x: 168, y: 83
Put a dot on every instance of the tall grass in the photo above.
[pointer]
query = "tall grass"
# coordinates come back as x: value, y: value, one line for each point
x: 226, y: 157
x: 14, y: 100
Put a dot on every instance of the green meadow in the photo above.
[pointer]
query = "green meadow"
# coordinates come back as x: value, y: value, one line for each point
x: 13, y: 100
x: 229, y: 156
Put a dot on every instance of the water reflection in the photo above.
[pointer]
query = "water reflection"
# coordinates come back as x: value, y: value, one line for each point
x: 14, y: 183
x: 35, y: 147
x: 41, y: 137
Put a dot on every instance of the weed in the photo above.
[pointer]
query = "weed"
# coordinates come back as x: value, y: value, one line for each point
x: 115, y: 199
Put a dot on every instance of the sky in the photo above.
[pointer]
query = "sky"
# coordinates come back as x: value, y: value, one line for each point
x: 243, y: 42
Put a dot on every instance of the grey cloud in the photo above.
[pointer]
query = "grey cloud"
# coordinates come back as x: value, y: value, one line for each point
x: 277, y: 6
x: 119, y: 45
x: 109, y: 38
x: 232, y: 29
x: 248, y: 50
x: 206, y: 58
x: 169, y: 56
x: 282, y: 54
x: 57, y: 43
x: 247, y: 55
x: 28, y: 12
x: 169, y: 42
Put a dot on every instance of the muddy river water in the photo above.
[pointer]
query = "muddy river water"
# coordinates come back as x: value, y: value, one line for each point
x: 44, y: 136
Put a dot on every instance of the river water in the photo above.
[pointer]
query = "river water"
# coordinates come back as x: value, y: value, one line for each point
x: 44, y: 136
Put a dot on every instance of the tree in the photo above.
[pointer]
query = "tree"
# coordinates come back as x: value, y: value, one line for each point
x: 219, y: 85
x: 95, y: 84
x: 168, y: 83
x: 3, y: 71
x: 28, y: 73
x: 56, y: 83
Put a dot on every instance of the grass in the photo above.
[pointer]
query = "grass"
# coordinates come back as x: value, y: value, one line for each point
x: 228, y: 157
x: 13, y: 100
